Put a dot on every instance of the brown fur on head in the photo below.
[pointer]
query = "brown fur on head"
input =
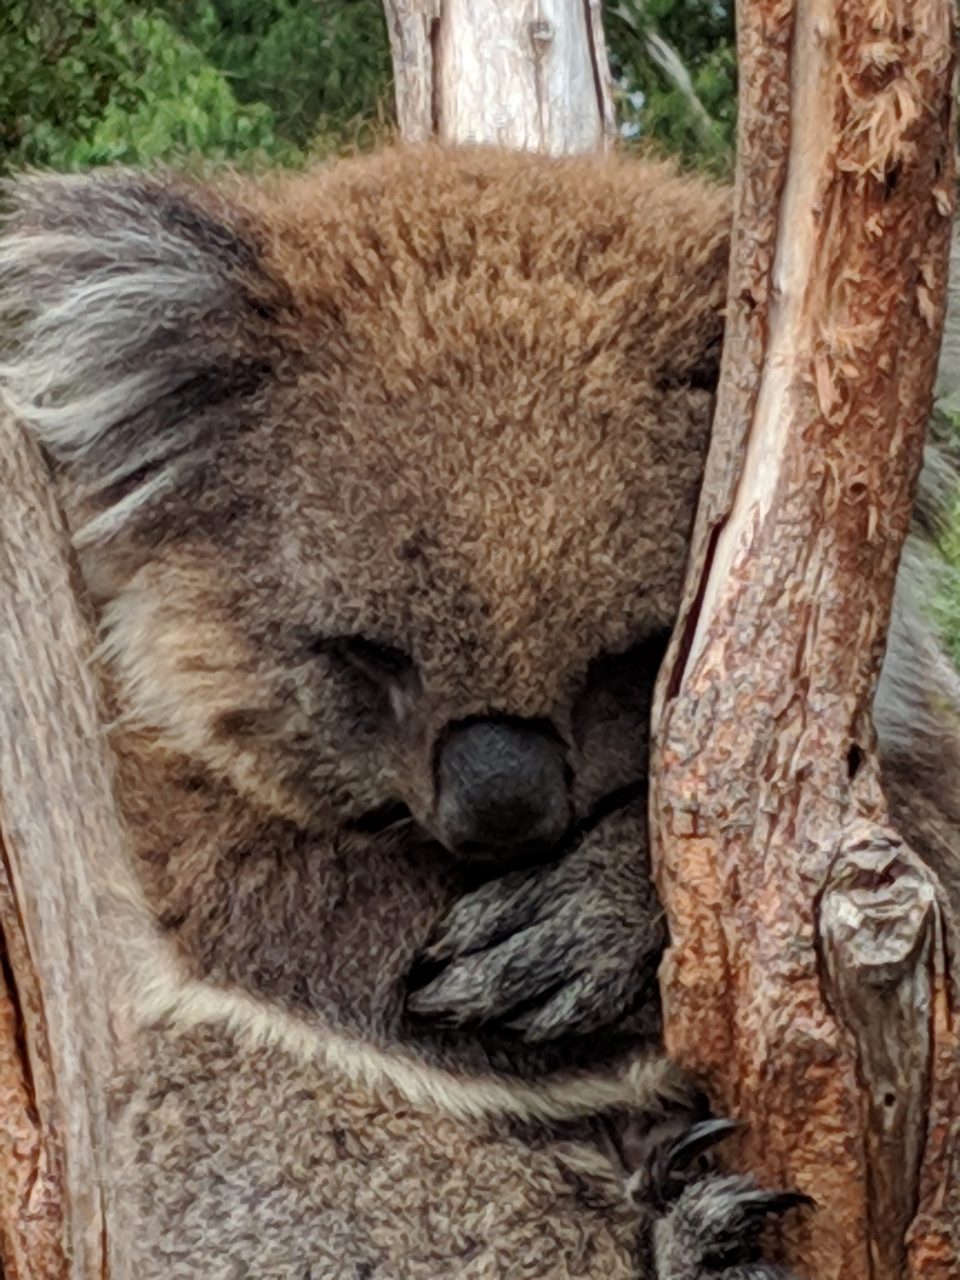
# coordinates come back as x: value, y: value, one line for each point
x: 455, y: 404
x: 356, y: 463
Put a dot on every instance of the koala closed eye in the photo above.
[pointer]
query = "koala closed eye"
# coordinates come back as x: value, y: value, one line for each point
x: 384, y: 664
x: 379, y: 670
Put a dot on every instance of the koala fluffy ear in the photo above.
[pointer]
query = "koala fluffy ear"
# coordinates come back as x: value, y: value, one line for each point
x: 132, y: 308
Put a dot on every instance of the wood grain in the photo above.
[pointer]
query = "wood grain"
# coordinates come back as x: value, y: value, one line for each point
x: 61, y: 844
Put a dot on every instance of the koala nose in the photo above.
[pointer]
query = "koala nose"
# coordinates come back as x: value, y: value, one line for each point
x: 502, y: 788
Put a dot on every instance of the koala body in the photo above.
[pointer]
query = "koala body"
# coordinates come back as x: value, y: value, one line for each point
x: 382, y: 479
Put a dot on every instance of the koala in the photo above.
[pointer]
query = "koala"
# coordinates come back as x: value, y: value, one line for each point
x: 381, y: 479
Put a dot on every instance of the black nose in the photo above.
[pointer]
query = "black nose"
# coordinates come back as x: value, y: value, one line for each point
x: 501, y: 787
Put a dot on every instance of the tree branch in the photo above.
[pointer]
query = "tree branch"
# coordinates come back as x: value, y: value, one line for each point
x: 784, y: 883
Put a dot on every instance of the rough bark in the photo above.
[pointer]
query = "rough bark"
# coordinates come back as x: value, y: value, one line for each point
x: 59, y: 832
x: 530, y: 74
x: 809, y: 973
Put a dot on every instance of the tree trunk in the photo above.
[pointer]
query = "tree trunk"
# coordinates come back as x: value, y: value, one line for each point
x: 530, y: 74
x: 809, y: 973
x: 544, y: 64
x: 59, y: 835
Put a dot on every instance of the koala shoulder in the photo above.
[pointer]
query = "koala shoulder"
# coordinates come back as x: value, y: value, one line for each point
x: 917, y: 704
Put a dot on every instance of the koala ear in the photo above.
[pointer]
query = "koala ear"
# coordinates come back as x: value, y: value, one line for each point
x: 132, y: 307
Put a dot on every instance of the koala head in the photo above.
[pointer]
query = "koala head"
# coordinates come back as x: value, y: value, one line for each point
x: 383, y: 477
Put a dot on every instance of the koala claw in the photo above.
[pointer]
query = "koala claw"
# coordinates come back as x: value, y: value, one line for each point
x: 537, y: 952
x: 671, y: 1171
x: 545, y: 966
x: 712, y: 1230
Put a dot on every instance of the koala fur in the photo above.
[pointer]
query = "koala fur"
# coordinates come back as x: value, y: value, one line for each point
x: 362, y: 465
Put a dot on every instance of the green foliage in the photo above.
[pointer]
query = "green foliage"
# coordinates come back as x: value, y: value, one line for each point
x: 85, y: 82
x: 315, y: 63
x: 168, y: 100
x: 675, y: 62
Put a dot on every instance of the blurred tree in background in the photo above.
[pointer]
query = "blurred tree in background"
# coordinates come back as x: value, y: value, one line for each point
x: 86, y: 82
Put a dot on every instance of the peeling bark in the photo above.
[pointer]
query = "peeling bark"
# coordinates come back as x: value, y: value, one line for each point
x: 883, y: 964
x: 31, y: 1159
x: 808, y: 978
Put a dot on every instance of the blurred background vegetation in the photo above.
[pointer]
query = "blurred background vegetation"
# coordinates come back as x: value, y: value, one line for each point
x: 263, y: 82
x: 256, y: 82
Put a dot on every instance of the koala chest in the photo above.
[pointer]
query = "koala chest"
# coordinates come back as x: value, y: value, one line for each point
x: 238, y: 1163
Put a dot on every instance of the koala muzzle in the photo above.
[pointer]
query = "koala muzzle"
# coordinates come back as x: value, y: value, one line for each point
x: 502, y: 788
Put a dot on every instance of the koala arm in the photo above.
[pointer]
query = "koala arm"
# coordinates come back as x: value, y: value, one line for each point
x: 553, y: 951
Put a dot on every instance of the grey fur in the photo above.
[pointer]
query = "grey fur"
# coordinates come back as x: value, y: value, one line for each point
x: 948, y: 372
x: 104, y: 287
x: 406, y: 354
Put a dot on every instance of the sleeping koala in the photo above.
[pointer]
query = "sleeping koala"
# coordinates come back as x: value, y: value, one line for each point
x: 382, y: 479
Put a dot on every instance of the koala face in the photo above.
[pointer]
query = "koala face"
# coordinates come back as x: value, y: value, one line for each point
x: 384, y: 476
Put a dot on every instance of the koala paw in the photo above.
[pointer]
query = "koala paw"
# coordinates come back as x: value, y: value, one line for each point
x: 555, y: 951
x: 710, y: 1224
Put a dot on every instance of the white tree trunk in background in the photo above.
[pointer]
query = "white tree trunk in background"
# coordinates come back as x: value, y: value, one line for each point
x: 530, y: 74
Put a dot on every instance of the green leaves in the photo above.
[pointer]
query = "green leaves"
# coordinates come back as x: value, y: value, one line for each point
x: 88, y: 82
x: 319, y: 65
x: 675, y: 64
